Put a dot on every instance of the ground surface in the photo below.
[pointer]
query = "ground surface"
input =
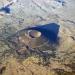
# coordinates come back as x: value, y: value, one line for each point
x: 29, y: 13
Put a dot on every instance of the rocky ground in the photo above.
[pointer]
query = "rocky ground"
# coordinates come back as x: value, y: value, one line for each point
x: 29, y: 13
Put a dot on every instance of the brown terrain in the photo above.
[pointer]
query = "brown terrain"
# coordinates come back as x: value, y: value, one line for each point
x: 23, y: 53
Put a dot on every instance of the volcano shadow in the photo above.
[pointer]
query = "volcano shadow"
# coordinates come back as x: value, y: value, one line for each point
x: 50, y: 31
